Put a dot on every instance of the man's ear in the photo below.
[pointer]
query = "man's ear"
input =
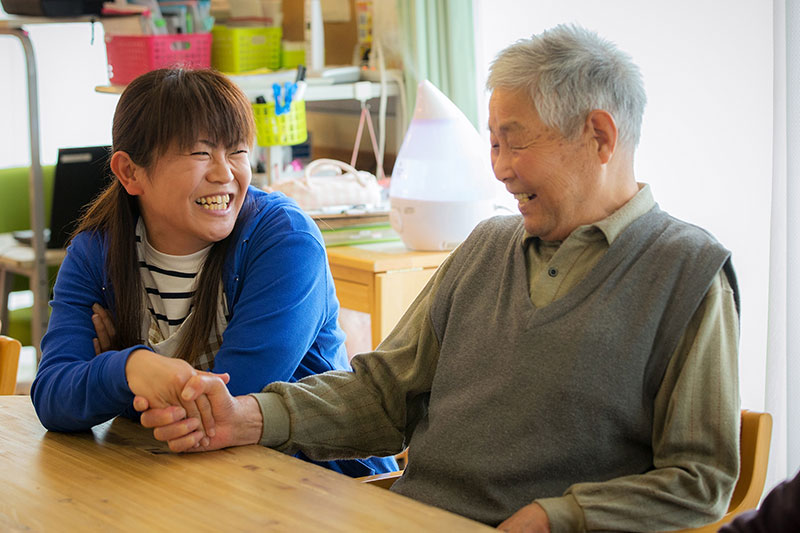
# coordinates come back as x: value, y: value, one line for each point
x: 130, y: 174
x: 603, y: 130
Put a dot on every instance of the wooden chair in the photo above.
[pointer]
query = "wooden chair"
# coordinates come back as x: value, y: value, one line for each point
x: 9, y: 361
x: 386, y: 480
x: 755, y: 437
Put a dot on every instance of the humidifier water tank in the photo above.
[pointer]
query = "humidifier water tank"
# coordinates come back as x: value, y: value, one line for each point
x: 442, y: 183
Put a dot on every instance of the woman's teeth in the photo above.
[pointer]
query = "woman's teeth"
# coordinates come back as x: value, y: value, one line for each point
x: 217, y: 202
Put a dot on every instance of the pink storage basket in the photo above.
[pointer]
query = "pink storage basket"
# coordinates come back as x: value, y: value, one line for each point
x: 132, y: 55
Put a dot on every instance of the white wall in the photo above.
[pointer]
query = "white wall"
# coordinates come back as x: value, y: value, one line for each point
x: 71, y: 112
x: 706, y: 144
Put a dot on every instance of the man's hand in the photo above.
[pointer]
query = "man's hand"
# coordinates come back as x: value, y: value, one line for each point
x: 238, y: 420
x: 158, y: 381
x: 104, y: 328
x: 529, y: 519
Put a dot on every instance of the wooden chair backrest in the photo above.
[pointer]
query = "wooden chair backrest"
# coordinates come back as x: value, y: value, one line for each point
x: 9, y: 362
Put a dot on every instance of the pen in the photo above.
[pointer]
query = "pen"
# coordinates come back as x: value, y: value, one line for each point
x: 300, y: 94
x: 287, y: 92
x: 276, y: 95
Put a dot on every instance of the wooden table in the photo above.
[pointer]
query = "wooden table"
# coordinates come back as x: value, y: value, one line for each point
x: 118, y: 478
x: 381, y: 279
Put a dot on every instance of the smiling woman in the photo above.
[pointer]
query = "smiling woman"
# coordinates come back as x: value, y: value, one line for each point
x: 177, y: 254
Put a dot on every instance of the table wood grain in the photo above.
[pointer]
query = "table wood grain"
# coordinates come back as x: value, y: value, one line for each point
x: 116, y: 477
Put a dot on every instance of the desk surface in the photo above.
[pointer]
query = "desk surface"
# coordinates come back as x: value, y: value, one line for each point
x: 17, y: 256
x: 384, y: 257
x: 118, y: 478
x: 378, y: 257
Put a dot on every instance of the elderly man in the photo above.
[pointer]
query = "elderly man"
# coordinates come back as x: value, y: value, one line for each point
x: 573, y: 368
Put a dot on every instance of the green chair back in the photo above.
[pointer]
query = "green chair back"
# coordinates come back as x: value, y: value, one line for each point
x: 15, y: 214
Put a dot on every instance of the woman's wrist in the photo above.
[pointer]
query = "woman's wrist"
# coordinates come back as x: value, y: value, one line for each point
x: 135, y: 360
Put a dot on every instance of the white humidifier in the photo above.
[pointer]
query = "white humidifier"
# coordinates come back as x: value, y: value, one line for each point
x: 442, y: 184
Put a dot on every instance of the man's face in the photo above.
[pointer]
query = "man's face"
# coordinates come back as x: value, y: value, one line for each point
x: 553, y: 179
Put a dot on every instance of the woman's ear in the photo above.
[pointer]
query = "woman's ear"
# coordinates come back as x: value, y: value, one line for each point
x: 130, y: 174
x: 604, y: 131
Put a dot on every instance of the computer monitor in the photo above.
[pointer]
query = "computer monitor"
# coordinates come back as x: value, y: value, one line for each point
x: 80, y: 175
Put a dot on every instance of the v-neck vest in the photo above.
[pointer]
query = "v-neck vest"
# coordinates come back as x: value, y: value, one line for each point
x: 527, y: 401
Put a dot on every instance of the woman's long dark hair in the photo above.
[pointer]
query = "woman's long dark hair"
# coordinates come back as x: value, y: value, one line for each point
x: 155, y: 112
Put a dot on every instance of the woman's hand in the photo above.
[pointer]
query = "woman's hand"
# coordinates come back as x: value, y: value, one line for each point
x: 158, y: 382
x: 104, y: 328
x: 239, y: 420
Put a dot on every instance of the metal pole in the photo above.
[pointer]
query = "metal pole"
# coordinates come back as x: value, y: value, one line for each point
x: 39, y: 282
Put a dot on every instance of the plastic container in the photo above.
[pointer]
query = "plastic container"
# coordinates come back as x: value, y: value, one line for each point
x: 132, y: 55
x: 293, y: 53
x: 442, y: 184
x: 239, y: 49
x: 280, y: 130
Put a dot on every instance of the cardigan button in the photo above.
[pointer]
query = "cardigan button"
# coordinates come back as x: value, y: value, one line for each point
x: 552, y: 272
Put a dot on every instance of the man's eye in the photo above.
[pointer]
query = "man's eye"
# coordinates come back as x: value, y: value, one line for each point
x: 237, y: 152
x: 200, y: 153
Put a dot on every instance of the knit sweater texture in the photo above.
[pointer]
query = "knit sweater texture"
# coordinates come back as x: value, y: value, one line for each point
x: 614, y: 332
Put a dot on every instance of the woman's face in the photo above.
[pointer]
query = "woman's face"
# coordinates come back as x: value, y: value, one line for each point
x: 192, y: 198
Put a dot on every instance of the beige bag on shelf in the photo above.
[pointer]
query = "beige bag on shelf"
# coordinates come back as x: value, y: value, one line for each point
x: 347, y: 187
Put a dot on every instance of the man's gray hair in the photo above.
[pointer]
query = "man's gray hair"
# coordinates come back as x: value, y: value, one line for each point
x: 569, y: 71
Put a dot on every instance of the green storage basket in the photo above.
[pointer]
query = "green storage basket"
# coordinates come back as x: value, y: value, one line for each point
x: 239, y: 49
x: 280, y: 130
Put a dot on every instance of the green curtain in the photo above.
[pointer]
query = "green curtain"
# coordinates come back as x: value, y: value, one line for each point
x: 440, y: 47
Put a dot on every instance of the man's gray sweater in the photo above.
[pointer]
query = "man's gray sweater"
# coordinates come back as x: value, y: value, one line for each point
x: 565, y: 392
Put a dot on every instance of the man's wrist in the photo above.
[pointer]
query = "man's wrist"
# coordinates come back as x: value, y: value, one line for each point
x: 250, y: 422
x: 275, y: 417
x: 563, y: 513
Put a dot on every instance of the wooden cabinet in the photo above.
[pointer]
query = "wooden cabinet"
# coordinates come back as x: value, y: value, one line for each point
x: 381, y: 279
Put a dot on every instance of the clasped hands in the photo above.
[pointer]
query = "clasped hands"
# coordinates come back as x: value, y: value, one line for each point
x: 189, y: 409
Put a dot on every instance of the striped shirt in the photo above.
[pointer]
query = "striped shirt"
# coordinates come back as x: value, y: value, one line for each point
x: 169, y: 282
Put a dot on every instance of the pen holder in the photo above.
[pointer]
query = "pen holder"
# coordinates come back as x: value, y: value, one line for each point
x: 132, y: 55
x: 285, y: 129
x: 236, y: 50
